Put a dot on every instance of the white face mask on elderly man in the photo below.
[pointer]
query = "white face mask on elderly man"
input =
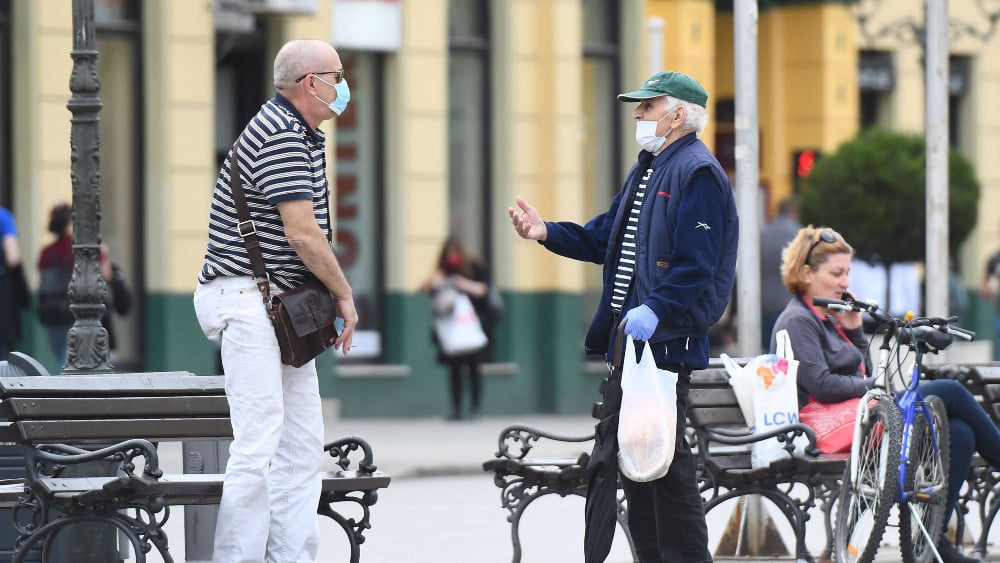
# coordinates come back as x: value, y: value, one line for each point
x: 645, y: 134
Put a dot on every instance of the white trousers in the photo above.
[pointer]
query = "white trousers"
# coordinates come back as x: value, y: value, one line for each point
x: 272, y: 485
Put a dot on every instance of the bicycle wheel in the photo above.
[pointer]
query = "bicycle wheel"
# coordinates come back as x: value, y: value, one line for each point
x: 867, y: 498
x: 927, y: 480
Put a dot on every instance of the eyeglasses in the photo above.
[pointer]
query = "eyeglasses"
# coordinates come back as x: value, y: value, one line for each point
x: 340, y: 75
x: 829, y: 237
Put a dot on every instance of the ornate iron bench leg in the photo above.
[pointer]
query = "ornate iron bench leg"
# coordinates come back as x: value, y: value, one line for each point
x: 354, y: 530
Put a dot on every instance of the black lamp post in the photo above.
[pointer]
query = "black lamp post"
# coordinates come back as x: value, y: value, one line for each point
x: 87, y: 343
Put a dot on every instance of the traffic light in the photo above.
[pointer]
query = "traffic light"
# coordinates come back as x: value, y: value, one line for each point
x: 803, y: 162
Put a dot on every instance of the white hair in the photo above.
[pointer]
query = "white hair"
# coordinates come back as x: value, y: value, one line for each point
x: 695, y: 116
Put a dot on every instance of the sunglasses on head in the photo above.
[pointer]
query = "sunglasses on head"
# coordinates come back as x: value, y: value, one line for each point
x: 824, y: 236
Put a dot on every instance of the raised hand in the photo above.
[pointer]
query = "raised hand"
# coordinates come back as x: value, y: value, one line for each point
x: 527, y: 222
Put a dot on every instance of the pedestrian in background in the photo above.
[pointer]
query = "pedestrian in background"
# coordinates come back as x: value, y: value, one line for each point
x: 458, y: 270
x: 55, y: 267
x: 13, y: 289
x: 773, y: 239
x: 986, y: 292
x: 272, y: 483
x: 668, y: 246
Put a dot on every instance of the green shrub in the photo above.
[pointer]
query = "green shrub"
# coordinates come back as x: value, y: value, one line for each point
x: 872, y: 190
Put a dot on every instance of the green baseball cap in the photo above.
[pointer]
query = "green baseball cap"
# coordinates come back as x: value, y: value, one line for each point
x: 669, y: 83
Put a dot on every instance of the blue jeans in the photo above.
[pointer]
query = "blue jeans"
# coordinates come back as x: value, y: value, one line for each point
x: 667, y: 516
x: 996, y: 336
x: 969, y: 429
x: 57, y: 340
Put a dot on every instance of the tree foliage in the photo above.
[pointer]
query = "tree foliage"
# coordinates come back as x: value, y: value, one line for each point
x: 872, y: 190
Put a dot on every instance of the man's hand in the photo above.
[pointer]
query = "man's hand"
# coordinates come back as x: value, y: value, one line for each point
x: 640, y: 322
x: 346, y: 311
x: 527, y: 222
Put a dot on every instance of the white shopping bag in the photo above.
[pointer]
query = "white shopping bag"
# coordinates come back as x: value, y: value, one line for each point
x: 776, y: 404
x: 647, y: 423
x: 459, y: 331
x: 741, y: 380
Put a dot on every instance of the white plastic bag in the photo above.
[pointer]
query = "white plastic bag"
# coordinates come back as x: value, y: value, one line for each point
x: 776, y: 404
x: 647, y: 423
x: 459, y: 331
x: 742, y: 383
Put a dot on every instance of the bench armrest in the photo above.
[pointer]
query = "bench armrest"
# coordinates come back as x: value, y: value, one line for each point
x: 786, y: 434
x: 517, y: 440
x: 123, y: 452
x: 341, y: 450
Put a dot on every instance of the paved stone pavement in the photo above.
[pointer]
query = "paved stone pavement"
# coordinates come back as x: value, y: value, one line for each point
x: 442, y: 508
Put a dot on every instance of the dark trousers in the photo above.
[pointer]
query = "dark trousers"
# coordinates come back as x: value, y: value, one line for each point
x: 667, y: 516
x: 456, y: 369
x: 970, y: 430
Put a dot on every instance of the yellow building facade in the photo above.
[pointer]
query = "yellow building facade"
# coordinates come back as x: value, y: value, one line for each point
x: 458, y: 107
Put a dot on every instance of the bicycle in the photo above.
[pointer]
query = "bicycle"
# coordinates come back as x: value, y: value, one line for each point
x: 905, y: 432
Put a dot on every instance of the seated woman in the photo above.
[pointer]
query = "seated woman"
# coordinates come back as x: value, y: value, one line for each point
x: 834, y: 364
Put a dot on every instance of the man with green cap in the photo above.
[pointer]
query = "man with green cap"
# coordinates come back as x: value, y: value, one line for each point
x: 668, y: 247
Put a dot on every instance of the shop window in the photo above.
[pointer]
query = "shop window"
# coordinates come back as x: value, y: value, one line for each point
x: 359, y: 187
x: 6, y: 155
x: 469, y: 189
x: 603, y: 170
x: 119, y: 67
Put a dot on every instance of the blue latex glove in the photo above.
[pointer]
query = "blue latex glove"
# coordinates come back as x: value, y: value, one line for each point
x: 640, y: 322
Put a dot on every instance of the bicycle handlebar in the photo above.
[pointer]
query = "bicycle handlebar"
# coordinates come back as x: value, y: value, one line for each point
x: 935, y: 333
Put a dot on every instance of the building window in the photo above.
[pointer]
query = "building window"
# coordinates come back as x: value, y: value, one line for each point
x: 119, y: 66
x: 958, y: 86
x: 469, y: 200
x: 876, y: 82
x: 6, y: 155
x: 359, y: 189
x: 602, y: 163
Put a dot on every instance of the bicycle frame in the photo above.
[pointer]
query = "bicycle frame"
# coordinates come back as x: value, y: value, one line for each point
x: 906, y: 401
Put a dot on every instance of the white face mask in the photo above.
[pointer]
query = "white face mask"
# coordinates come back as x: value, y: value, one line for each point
x: 645, y: 134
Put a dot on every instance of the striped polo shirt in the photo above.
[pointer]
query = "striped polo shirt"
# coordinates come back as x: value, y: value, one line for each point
x: 281, y: 159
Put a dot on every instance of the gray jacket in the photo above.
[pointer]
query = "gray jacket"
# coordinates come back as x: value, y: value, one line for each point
x: 829, y: 365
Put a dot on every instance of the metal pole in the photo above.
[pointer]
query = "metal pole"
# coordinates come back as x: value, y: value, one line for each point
x: 748, y: 203
x: 936, y: 139
x: 747, y: 176
x: 87, y: 343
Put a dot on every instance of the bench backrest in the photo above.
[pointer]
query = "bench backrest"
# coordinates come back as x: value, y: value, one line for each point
x: 101, y: 408
x: 984, y: 380
x: 712, y: 402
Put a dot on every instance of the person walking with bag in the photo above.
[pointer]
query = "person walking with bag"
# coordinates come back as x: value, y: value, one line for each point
x: 272, y: 482
x: 668, y: 246
x: 460, y: 275
x: 835, y: 366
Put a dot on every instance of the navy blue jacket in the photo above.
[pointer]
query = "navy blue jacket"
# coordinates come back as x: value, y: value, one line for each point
x: 686, y: 250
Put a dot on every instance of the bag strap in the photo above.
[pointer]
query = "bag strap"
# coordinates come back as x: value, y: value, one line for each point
x: 247, y: 229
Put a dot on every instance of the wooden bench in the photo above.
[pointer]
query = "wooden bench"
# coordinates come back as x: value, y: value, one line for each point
x: 63, y: 421
x: 718, y: 435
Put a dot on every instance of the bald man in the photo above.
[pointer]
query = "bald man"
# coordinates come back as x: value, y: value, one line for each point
x: 272, y: 484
